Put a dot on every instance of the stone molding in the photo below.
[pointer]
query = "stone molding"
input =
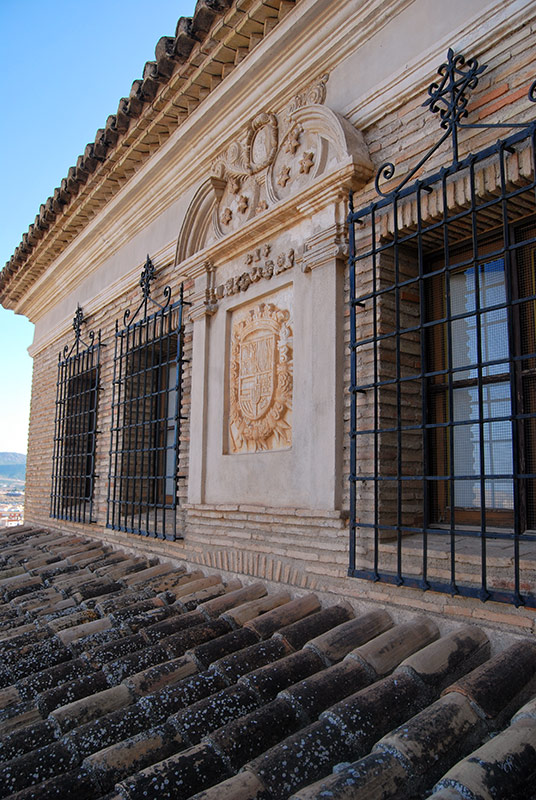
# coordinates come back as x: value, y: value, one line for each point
x: 325, y: 247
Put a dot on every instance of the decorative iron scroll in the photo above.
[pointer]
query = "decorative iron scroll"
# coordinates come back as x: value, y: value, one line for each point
x: 78, y: 321
x: 147, y: 276
x: 449, y: 98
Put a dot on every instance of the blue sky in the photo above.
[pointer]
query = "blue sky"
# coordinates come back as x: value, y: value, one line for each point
x: 64, y: 66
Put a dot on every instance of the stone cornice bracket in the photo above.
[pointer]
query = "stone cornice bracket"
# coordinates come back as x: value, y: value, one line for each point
x: 328, y: 246
x: 203, y: 298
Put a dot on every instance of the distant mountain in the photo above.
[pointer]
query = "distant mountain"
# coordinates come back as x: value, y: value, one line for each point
x: 12, y: 466
x: 12, y: 458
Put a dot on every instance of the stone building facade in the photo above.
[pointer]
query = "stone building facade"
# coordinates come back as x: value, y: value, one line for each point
x: 217, y: 428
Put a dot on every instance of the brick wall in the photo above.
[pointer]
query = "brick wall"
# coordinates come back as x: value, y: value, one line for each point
x: 295, y: 546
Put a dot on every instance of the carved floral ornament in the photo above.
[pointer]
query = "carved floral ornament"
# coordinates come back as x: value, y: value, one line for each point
x: 261, y: 381
x: 262, y: 265
x: 277, y: 157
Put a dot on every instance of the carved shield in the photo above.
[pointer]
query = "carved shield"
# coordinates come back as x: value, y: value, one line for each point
x: 256, y: 385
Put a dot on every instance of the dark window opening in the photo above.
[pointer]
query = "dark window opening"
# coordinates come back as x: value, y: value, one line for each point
x: 75, y: 434
x: 147, y: 452
x: 146, y: 423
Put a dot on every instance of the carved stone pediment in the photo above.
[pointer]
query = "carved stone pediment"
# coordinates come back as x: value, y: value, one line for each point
x: 242, y: 168
x: 277, y: 157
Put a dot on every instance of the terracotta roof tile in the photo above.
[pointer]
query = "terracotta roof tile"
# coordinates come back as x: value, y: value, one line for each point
x: 247, y: 696
x: 502, y: 767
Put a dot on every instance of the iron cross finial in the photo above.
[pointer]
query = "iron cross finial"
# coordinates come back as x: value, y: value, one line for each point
x: 448, y: 97
x: 78, y: 320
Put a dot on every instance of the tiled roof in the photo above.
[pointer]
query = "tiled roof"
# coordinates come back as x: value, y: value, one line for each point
x: 187, y: 68
x: 123, y: 678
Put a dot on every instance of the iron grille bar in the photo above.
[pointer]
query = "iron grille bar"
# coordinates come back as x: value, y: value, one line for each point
x: 442, y: 369
x: 496, y: 595
x: 75, y: 431
x: 453, y: 169
x: 146, y: 416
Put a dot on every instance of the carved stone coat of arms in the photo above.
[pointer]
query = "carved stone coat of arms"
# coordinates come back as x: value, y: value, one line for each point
x: 261, y: 381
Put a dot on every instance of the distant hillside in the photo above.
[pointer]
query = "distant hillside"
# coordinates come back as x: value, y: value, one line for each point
x: 12, y: 458
x: 13, y: 466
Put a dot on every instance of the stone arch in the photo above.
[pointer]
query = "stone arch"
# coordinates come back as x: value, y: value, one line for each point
x: 198, y: 223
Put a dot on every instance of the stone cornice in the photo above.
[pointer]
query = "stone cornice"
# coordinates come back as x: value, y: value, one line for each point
x: 329, y: 190
x: 474, y: 34
x: 204, y: 51
x: 149, y: 135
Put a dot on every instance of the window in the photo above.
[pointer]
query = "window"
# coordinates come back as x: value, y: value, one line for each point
x: 75, y: 431
x: 469, y: 392
x: 146, y: 422
x: 442, y: 445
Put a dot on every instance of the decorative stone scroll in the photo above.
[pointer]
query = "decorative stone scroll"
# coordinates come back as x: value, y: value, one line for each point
x: 314, y: 94
x: 260, y: 402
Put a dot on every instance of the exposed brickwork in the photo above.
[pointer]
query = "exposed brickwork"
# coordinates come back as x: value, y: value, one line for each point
x: 296, y: 546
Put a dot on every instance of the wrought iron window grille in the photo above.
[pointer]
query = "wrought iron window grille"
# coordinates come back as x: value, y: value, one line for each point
x: 147, y: 414
x: 75, y: 431
x: 442, y: 283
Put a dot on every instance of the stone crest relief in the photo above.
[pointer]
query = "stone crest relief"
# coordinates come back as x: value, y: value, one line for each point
x: 260, y: 403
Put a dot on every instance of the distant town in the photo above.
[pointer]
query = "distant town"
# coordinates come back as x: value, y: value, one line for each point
x: 12, y: 486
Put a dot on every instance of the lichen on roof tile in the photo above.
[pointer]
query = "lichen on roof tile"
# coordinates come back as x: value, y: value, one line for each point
x: 260, y: 700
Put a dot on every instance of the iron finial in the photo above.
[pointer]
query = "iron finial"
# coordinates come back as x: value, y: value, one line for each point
x: 78, y: 321
x: 448, y: 97
x: 147, y: 276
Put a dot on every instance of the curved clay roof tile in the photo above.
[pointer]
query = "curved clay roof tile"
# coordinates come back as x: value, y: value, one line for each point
x: 165, y: 55
x: 184, y: 40
x: 42, y: 218
x: 33, y: 235
x: 151, y: 80
x: 50, y: 209
x: 110, y: 134
x: 135, y: 101
x: 122, y: 118
x: 71, y: 184
x: 100, y: 148
x: 204, y: 15
x: 80, y: 171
